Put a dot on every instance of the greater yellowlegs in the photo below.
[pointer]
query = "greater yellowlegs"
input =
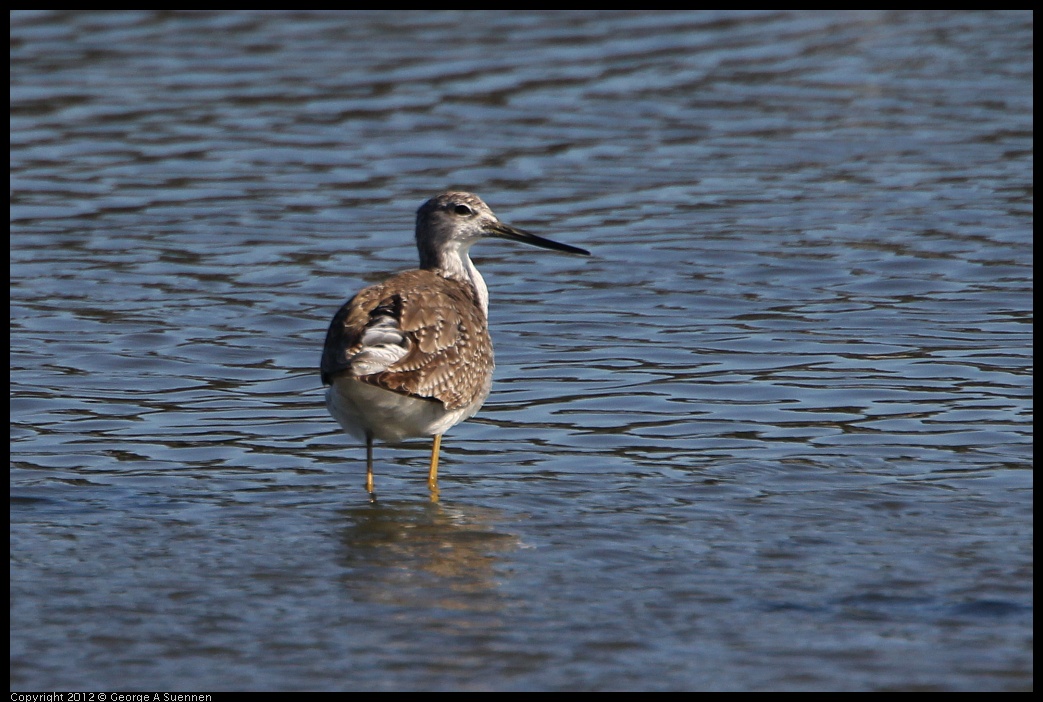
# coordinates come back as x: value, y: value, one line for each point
x: 412, y: 356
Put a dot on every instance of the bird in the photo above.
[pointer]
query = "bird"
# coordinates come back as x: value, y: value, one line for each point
x: 411, y: 356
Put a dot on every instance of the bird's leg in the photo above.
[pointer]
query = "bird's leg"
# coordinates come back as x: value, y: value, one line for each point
x: 432, y: 475
x: 369, y: 465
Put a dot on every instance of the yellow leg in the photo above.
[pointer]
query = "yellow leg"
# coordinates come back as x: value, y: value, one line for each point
x: 432, y: 475
x: 369, y: 464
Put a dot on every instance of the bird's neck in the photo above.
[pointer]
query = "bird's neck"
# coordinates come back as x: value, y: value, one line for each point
x: 457, y: 265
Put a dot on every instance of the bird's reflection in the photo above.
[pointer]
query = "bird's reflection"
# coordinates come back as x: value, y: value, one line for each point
x: 395, y: 552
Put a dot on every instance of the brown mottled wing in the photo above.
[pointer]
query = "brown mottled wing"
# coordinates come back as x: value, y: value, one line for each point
x: 447, y: 354
x: 345, y: 333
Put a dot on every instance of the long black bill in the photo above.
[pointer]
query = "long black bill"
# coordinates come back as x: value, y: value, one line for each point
x: 506, y: 231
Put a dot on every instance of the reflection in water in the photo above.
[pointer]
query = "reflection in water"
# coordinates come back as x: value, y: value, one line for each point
x: 407, y: 552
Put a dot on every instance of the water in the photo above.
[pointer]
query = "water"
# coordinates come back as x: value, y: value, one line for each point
x: 776, y: 433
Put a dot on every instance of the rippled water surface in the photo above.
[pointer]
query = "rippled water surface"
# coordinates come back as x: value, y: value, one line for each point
x: 775, y: 434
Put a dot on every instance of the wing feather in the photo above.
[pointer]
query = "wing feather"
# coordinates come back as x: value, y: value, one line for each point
x: 416, y: 334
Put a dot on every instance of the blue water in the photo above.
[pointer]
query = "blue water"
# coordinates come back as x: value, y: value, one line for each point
x: 776, y: 434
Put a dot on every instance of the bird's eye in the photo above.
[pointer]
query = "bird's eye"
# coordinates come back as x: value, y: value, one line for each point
x: 463, y: 210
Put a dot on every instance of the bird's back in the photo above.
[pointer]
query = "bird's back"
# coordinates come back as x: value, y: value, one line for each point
x: 417, y: 334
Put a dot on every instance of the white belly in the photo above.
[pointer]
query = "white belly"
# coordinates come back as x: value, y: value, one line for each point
x: 390, y: 416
